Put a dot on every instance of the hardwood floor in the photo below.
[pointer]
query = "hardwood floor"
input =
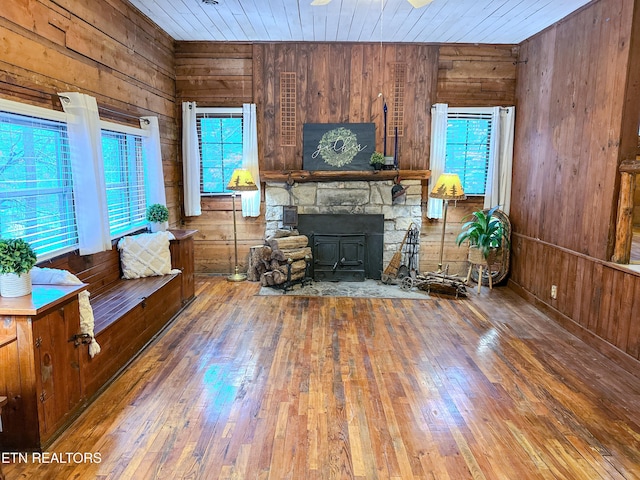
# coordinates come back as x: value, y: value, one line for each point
x: 244, y: 386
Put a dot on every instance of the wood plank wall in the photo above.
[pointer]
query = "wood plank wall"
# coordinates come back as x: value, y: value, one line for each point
x: 106, y: 49
x: 477, y: 75
x: 217, y: 75
x: 336, y: 83
x: 341, y: 83
x: 571, y: 96
x: 468, y: 76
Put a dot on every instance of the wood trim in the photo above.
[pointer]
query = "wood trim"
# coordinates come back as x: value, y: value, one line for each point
x: 43, y: 297
x: 630, y: 166
x: 302, y: 176
x: 598, y: 261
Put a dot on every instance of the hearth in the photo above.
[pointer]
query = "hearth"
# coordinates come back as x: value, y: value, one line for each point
x: 346, y: 247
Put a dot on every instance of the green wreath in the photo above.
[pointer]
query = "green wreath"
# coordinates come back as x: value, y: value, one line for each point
x: 338, y: 147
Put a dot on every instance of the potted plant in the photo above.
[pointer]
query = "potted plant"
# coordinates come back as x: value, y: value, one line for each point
x: 485, y: 235
x: 377, y: 160
x: 17, y: 258
x: 157, y: 216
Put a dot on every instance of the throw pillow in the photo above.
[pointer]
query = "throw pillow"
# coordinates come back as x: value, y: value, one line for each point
x: 145, y: 255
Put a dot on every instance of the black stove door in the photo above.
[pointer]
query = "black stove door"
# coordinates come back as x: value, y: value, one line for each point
x: 339, y: 258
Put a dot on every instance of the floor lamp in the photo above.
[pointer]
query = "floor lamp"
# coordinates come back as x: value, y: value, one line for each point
x: 241, y: 181
x: 448, y: 187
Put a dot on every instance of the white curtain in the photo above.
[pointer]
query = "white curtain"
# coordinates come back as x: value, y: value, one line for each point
x: 190, y: 160
x: 153, y: 176
x: 498, y: 187
x: 437, y: 154
x: 87, y: 167
x: 250, y: 200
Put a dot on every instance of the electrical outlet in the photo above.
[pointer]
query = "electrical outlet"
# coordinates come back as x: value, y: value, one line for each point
x: 554, y: 291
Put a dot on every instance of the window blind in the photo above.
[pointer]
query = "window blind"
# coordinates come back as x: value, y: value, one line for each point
x: 469, y: 147
x: 124, y: 181
x: 36, y: 192
x: 220, y: 138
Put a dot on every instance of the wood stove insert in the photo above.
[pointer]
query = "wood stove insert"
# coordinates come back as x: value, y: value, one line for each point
x: 346, y: 247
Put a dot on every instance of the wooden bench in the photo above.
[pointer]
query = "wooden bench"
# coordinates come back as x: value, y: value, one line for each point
x: 37, y: 332
x: 128, y: 314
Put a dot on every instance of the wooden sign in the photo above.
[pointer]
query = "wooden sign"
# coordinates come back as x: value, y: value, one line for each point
x: 338, y: 146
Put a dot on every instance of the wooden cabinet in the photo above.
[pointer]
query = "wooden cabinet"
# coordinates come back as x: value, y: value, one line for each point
x: 182, y: 257
x: 39, y: 365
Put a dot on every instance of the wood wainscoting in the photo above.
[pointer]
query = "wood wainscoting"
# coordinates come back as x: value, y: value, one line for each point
x: 248, y: 386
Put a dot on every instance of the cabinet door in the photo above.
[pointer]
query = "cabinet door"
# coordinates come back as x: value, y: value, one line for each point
x: 57, y: 366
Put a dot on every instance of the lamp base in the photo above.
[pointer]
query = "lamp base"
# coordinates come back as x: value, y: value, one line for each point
x: 237, y: 277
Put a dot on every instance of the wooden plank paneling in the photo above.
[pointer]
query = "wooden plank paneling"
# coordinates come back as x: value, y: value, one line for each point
x: 595, y: 298
x: 337, y: 83
x: 341, y: 83
x: 105, y: 49
x: 477, y: 75
x: 573, y: 95
x: 214, y: 74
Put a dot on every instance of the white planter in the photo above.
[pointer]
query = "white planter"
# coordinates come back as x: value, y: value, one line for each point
x: 13, y: 285
x: 157, y: 226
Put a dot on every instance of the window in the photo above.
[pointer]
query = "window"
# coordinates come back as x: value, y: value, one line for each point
x: 36, y: 191
x: 469, y: 147
x: 124, y: 178
x: 220, y: 136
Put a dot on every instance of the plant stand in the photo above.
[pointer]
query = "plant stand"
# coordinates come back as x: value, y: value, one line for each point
x: 476, y: 259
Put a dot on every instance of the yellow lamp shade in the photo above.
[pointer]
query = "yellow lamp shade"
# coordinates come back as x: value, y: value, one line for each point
x: 448, y: 187
x: 241, y: 181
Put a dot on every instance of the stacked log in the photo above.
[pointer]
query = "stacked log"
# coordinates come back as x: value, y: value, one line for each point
x: 270, y: 263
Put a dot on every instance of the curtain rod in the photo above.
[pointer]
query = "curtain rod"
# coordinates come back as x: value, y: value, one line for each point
x: 105, y: 109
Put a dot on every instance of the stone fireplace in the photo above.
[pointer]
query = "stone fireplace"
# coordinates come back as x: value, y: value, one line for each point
x: 362, y: 201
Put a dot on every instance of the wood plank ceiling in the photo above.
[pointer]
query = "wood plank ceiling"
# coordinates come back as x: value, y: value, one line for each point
x: 441, y: 21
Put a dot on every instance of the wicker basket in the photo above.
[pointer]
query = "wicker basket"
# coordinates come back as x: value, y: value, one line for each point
x: 475, y: 256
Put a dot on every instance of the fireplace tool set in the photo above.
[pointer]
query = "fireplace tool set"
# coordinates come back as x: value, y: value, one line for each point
x: 404, y: 267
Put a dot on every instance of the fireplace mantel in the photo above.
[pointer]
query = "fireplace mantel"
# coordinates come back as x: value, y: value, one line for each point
x: 301, y: 176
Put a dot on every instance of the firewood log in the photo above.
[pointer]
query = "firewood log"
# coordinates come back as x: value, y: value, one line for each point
x: 257, y: 256
x: 288, y: 243
x: 297, y: 253
x: 278, y: 255
x: 268, y: 278
x: 296, y: 267
x: 278, y: 277
x: 285, y: 233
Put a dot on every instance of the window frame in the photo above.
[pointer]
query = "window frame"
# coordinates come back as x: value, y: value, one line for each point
x: 126, y: 130
x: 452, y: 112
x: 232, y: 112
x: 44, y: 114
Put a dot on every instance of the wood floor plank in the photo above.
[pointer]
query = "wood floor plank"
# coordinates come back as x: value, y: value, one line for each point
x: 278, y: 387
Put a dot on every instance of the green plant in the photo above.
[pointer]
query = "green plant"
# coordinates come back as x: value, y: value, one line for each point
x: 157, y: 213
x: 483, y: 231
x: 16, y: 256
x: 377, y: 158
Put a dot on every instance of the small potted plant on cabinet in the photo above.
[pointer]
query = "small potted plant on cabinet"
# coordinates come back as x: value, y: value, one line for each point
x: 17, y: 258
x: 157, y: 216
x: 377, y: 160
